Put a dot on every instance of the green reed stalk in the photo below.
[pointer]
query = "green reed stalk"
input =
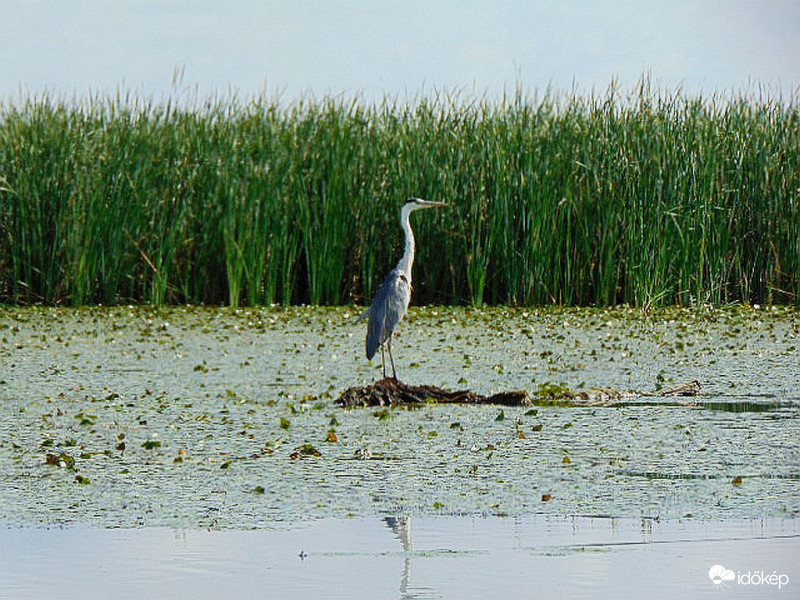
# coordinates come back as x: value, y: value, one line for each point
x: 649, y: 197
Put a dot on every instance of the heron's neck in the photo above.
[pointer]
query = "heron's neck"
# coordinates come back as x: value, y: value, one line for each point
x: 408, y: 255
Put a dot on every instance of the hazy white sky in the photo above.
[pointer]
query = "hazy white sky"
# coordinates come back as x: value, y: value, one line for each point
x: 398, y: 48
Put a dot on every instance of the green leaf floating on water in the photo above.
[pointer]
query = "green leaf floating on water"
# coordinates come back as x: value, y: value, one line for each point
x: 61, y: 460
x: 305, y: 450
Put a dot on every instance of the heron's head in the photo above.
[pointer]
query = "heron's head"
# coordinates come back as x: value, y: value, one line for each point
x: 417, y: 203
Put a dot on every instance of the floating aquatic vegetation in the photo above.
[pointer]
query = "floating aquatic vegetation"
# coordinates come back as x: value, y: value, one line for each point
x: 667, y: 455
x: 305, y: 450
x: 63, y: 460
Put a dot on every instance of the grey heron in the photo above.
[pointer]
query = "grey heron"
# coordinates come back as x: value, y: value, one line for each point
x: 391, y: 300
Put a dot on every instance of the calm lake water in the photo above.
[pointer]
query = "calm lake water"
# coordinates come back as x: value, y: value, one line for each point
x: 428, y: 557
x: 162, y: 452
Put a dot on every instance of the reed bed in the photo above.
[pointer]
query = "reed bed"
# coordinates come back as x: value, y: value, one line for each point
x: 648, y: 198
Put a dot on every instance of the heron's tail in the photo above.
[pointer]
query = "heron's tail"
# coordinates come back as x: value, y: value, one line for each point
x: 375, y: 336
x: 373, y: 343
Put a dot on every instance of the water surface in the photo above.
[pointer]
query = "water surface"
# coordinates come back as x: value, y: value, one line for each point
x: 404, y: 557
x: 194, y: 452
x: 189, y: 417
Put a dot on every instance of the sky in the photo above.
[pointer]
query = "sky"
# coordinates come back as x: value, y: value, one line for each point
x: 375, y: 48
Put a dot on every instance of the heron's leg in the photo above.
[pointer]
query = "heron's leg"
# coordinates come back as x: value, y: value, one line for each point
x: 383, y: 361
x: 391, y: 358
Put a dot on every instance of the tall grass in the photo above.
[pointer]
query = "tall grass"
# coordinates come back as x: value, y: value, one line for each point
x: 650, y: 197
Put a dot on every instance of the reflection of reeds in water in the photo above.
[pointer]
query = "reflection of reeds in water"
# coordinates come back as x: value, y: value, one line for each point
x: 649, y: 198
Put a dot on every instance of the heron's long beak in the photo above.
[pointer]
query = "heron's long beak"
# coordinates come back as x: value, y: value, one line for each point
x: 432, y: 204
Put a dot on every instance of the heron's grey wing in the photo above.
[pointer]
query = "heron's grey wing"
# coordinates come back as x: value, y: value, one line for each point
x: 387, y: 310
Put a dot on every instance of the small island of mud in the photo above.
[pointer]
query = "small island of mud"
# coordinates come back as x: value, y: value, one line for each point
x: 391, y: 392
